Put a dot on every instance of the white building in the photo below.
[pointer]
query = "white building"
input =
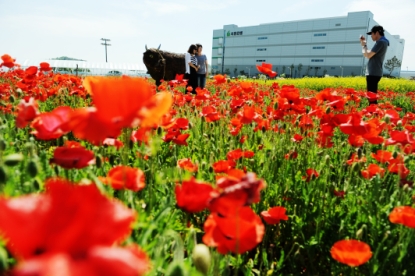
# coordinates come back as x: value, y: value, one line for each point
x: 322, y: 46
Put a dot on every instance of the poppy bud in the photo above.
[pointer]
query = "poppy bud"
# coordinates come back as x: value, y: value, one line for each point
x: 387, y: 119
x: 36, y: 184
x: 19, y: 92
x: 98, y: 161
x: 3, y: 175
x: 356, y: 167
x: 328, y: 110
x: 56, y: 169
x: 175, y: 269
x: 12, y: 99
x: 32, y: 168
x: 399, y: 123
x: 13, y: 159
x: 327, y: 159
x: 276, y: 105
x: 2, y: 145
x: 112, y: 160
x: 201, y: 258
x: 359, y: 233
x: 359, y: 152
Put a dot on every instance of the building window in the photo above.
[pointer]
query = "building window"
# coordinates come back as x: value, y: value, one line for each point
x: 332, y: 68
x: 260, y: 60
x: 338, y: 24
x: 317, y: 60
x: 320, y: 34
x: 319, y: 47
x: 261, y: 49
x: 262, y: 37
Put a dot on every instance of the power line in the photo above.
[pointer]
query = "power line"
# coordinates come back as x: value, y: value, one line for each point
x: 105, y: 44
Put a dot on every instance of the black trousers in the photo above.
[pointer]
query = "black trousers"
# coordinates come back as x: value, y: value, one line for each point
x: 192, y: 79
x: 372, y: 83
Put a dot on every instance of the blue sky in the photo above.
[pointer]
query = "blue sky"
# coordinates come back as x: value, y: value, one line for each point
x: 44, y: 29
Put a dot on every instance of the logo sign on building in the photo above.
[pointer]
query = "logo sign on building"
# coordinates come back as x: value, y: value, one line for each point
x: 234, y: 33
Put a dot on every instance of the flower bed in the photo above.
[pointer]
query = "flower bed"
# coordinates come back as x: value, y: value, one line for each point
x: 106, y: 176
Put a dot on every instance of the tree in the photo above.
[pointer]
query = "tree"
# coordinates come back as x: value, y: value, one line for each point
x: 234, y: 72
x: 227, y: 71
x: 392, y: 63
x: 292, y: 69
x: 315, y: 70
x: 308, y: 70
x: 242, y: 72
x: 283, y: 69
x: 299, y: 67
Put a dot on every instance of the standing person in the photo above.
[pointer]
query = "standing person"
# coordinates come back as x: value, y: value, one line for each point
x: 191, y: 67
x: 376, y: 57
x: 203, y: 71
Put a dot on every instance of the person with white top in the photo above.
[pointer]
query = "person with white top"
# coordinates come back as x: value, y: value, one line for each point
x: 191, y: 67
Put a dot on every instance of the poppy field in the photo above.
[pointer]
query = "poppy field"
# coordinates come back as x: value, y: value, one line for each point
x: 115, y: 176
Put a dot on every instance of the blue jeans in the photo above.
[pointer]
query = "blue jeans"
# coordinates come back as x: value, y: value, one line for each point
x: 201, y: 80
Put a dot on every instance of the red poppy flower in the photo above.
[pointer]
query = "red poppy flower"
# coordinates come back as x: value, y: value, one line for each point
x: 158, y: 105
x: 86, y: 125
x: 339, y: 193
x: 297, y: 138
x: 8, y: 61
x: 52, y: 125
x: 181, y: 139
x: 76, y: 242
x: 372, y: 97
x: 113, y: 142
x: 400, y: 137
x: 372, y: 170
x: 31, y: 71
x: 382, y: 156
x: 291, y: 155
x: 239, y: 153
x: 404, y: 215
x: 223, y: 166
x: 274, y: 215
x: 141, y: 135
x: 118, y: 100
x: 210, y: 113
x: 236, y: 189
x: 99, y: 260
x: 237, y: 231
x: 78, y: 215
x: 72, y: 157
x: 355, y: 159
x: 248, y: 114
x: 124, y: 177
x: 397, y: 166
x: 266, y: 68
x: 27, y: 110
x: 219, y: 79
x: 44, y: 66
x: 193, y: 196
x: 311, y: 174
x: 351, y: 252
x: 187, y: 165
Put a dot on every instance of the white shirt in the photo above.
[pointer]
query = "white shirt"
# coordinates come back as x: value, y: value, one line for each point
x: 187, y: 59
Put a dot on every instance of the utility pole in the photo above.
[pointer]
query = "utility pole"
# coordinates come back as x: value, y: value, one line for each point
x: 105, y: 44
